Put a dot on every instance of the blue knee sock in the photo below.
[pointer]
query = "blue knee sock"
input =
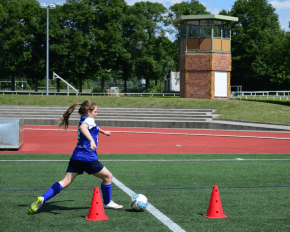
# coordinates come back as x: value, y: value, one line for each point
x: 55, y: 189
x: 107, y: 192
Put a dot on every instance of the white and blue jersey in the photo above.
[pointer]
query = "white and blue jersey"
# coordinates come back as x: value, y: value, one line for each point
x: 82, y: 151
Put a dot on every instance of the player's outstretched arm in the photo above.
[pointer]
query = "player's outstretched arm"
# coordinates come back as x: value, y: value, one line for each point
x: 108, y: 133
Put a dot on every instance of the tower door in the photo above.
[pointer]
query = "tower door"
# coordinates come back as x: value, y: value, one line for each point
x: 221, y: 84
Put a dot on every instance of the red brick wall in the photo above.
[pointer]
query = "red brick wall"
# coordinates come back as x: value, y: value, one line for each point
x: 198, y: 61
x: 222, y: 62
x: 206, y: 61
x: 199, y: 84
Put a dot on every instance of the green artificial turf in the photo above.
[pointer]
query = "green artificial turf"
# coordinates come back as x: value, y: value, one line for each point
x: 254, y: 192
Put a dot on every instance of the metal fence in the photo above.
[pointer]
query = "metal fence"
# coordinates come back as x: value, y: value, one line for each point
x: 85, y: 94
x: 278, y: 95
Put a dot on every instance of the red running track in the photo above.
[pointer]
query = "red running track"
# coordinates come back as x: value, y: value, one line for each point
x: 49, y: 140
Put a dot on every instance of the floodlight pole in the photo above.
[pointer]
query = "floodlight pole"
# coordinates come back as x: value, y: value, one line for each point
x: 47, y: 51
x: 51, y: 6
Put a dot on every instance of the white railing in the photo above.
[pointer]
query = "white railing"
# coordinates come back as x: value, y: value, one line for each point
x: 280, y: 95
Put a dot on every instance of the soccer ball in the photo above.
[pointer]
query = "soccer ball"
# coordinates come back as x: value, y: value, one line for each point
x: 139, y: 202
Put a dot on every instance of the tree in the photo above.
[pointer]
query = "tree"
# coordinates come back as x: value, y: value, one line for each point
x: 252, y: 39
x: 187, y: 8
x: 19, y: 26
x: 35, y: 68
x: 132, y: 35
x: 107, y: 28
x: 279, y: 62
x: 149, y: 61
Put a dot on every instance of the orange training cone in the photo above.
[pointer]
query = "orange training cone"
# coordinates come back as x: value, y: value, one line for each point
x: 215, y: 209
x: 97, y: 212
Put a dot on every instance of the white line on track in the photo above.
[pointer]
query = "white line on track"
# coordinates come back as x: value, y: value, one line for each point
x: 165, y: 133
x: 151, y: 209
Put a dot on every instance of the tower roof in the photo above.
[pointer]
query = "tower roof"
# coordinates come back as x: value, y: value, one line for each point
x: 185, y: 18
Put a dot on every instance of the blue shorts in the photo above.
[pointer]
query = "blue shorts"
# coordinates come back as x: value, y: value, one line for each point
x: 90, y: 167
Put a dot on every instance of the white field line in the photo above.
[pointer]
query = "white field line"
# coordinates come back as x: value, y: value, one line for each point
x: 165, y: 133
x: 151, y: 209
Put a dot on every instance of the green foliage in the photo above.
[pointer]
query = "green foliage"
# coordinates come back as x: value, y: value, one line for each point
x: 97, y: 89
x: 256, y: 45
x: 135, y: 89
x: 152, y: 57
x: 156, y: 88
x: 19, y: 30
x: 193, y: 7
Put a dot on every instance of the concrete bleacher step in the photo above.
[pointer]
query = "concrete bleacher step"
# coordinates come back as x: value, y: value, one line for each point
x: 113, y: 116
x: 154, y: 117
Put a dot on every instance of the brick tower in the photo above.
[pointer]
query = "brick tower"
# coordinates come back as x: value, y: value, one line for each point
x: 205, y: 56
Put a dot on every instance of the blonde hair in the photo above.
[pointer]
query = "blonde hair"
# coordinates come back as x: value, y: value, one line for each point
x: 86, y: 106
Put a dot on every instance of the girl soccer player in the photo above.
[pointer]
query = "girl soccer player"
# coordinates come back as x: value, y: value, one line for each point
x: 84, y: 157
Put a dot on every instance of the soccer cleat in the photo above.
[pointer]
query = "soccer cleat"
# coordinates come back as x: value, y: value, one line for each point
x: 35, y: 205
x: 113, y: 205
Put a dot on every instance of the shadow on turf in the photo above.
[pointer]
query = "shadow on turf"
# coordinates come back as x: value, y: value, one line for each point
x: 132, y: 211
x: 49, y: 207
x: 201, y: 214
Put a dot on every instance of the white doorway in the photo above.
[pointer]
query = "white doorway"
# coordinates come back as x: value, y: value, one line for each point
x: 221, y: 84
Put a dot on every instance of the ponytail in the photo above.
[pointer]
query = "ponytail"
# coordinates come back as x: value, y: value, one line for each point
x: 64, y: 120
x: 86, y: 106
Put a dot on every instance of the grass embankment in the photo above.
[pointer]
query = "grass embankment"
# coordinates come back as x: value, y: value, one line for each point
x: 231, y: 109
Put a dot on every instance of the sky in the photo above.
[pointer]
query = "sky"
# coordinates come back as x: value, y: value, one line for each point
x: 214, y: 6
